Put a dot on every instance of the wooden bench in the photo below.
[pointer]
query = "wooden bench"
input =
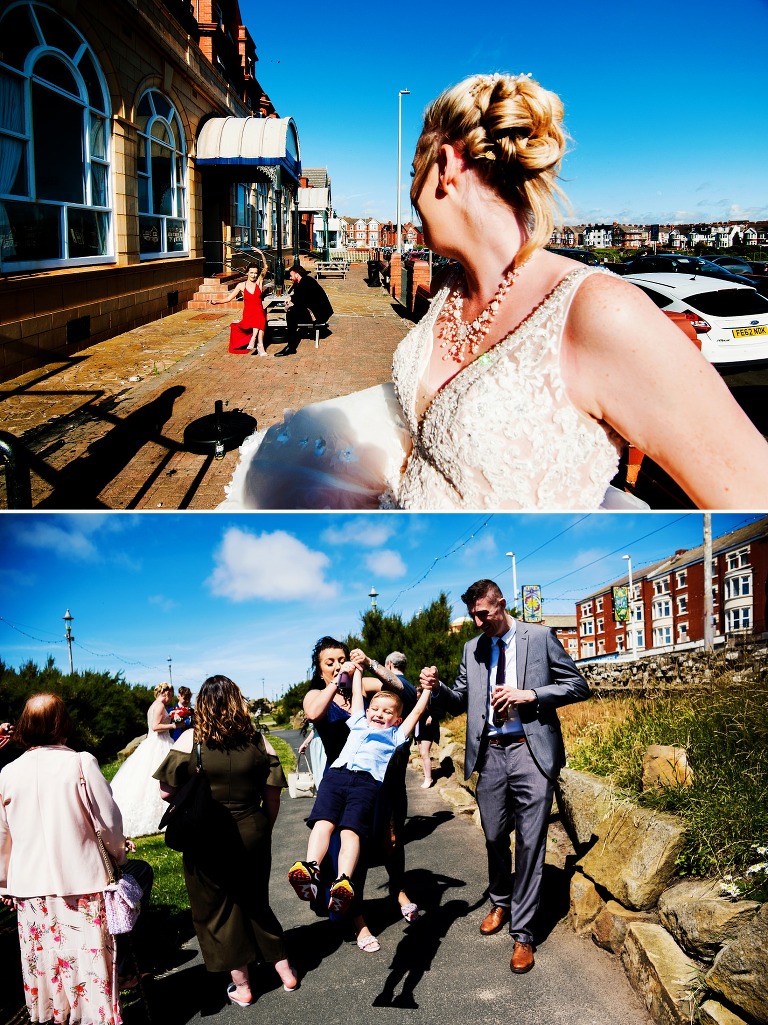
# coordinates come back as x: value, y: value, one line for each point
x: 333, y: 269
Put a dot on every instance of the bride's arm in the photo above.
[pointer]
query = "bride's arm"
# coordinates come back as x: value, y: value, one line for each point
x: 626, y: 364
x: 158, y: 716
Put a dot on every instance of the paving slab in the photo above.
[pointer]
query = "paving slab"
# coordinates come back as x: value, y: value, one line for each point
x: 104, y: 429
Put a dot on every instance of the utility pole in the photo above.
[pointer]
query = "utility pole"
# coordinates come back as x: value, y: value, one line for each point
x: 708, y: 604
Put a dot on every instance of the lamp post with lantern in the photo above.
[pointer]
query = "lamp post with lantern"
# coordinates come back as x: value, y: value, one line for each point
x: 68, y: 618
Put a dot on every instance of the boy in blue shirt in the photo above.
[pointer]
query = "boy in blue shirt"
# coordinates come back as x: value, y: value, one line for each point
x: 347, y: 793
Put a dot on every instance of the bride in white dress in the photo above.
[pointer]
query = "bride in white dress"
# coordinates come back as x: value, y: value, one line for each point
x: 523, y: 382
x: 136, y: 793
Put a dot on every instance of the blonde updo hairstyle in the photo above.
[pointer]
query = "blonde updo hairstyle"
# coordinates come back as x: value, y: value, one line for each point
x: 510, y: 130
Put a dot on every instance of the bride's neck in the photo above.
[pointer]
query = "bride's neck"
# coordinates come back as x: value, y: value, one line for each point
x: 491, y: 247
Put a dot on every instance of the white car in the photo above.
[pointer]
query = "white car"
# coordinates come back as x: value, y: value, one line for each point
x: 731, y: 320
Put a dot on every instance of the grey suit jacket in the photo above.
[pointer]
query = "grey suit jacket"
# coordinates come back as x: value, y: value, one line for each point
x: 543, y: 665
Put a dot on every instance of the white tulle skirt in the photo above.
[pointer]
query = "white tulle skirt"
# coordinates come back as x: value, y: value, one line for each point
x: 345, y: 453
x: 136, y: 793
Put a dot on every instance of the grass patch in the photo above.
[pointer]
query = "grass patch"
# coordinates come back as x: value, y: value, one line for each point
x: 284, y: 752
x: 723, y: 727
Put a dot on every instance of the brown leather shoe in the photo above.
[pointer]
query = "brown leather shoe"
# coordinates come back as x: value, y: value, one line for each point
x: 494, y: 920
x: 522, y: 958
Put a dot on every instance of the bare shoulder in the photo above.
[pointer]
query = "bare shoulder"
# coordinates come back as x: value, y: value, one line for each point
x: 606, y: 308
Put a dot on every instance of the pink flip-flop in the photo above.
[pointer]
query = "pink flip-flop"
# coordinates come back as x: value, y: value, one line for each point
x: 369, y: 944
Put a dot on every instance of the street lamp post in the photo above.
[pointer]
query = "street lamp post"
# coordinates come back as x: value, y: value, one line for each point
x: 170, y: 673
x: 511, y: 555
x: 631, y: 606
x: 373, y: 594
x: 400, y: 95
x: 68, y: 617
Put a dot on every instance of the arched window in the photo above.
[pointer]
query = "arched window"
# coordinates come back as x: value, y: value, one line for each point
x: 162, y: 178
x: 55, y: 196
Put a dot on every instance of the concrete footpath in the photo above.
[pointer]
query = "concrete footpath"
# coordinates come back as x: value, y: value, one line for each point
x: 105, y: 427
x: 437, y: 971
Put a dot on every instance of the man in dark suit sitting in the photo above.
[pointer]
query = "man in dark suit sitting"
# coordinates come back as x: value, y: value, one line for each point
x: 511, y: 680
x: 307, y: 302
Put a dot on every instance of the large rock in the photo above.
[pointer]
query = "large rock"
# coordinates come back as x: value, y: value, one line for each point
x: 700, y: 919
x: 585, y: 801
x: 666, y: 766
x: 662, y: 974
x: 712, y: 1012
x: 609, y: 928
x: 634, y: 855
x: 130, y: 748
x: 459, y: 798
x: 740, y: 971
x: 586, y: 902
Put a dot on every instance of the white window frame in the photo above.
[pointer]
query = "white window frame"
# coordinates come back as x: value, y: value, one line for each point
x: 93, y: 164
x: 178, y: 188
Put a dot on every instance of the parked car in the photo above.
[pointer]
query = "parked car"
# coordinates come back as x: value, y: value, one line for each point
x: 582, y: 255
x: 737, y: 264
x: 671, y: 263
x: 730, y: 319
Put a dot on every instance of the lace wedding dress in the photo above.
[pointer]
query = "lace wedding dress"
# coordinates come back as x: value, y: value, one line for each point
x: 136, y: 793
x: 501, y: 434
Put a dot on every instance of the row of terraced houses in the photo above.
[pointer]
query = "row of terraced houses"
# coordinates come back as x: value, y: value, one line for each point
x: 721, y: 235
x: 667, y: 602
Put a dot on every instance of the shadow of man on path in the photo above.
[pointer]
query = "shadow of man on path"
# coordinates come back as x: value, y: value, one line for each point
x: 78, y: 485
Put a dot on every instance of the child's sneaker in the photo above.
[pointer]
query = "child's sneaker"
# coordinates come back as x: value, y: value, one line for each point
x: 303, y: 877
x: 342, y: 895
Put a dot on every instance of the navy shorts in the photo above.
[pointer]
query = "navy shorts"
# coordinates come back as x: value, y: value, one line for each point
x: 346, y: 799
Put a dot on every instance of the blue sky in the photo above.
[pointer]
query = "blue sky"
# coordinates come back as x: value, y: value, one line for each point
x: 665, y: 102
x: 247, y: 595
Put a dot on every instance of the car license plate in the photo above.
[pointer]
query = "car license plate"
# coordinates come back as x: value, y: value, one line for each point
x: 750, y: 332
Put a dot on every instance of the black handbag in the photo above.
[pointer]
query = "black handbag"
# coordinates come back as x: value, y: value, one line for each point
x: 188, y: 815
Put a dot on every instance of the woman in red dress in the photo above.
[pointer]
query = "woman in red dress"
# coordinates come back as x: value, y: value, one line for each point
x: 253, y: 320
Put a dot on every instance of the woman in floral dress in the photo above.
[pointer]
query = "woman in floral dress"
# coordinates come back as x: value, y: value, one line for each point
x: 52, y: 871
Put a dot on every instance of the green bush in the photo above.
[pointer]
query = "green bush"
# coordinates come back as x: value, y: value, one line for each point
x: 107, y: 711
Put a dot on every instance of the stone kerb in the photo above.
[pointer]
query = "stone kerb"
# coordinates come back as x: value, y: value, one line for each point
x: 624, y: 896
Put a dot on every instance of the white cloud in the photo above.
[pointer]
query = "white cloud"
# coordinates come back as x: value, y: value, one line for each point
x: 276, y: 566
x: 386, y: 563
x: 76, y: 536
x: 166, y: 604
x: 54, y: 537
x: 366, y: 531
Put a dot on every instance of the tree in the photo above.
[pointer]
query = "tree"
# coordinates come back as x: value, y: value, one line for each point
x: 425, y: 640
x: 107, y: 712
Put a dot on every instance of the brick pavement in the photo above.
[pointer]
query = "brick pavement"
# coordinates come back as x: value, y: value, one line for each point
x: 99, y: 440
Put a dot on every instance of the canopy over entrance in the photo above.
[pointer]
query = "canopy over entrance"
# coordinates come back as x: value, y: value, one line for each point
x: 314, y: 200
x: 246, y: 143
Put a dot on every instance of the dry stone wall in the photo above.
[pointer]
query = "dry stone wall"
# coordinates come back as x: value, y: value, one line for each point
x: 687, y: 950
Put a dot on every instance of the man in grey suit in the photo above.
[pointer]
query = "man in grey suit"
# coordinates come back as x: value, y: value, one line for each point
x: 511, y: 680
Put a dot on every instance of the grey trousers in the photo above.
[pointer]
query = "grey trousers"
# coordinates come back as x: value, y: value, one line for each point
x: 513, y: 793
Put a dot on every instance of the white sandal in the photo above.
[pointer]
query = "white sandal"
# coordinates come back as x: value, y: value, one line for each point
x: 368, y: 943
x: 410, y: 912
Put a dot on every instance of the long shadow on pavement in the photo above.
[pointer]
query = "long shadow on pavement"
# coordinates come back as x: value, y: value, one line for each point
x: 79, y: 483
x: 422, y: 939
